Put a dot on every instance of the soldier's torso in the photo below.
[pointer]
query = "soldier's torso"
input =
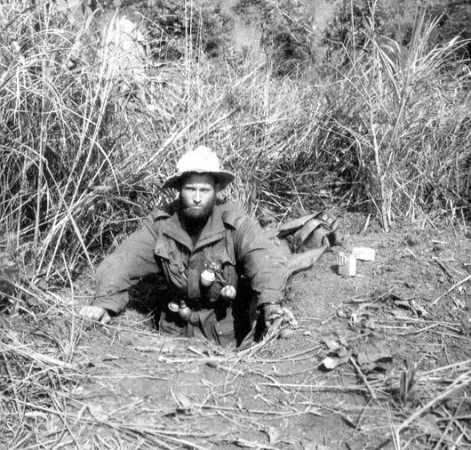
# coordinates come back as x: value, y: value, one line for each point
x: 183, y: 262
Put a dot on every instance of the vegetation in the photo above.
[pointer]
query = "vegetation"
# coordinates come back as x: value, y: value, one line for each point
x: 395, y: 141
x: 172, y: 25
x: 288, y: 37
x: 85, y: 145
x: 70, y: 180
x: 396, y: 20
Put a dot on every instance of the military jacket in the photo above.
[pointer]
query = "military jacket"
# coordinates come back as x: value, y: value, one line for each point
x: 229, y: 238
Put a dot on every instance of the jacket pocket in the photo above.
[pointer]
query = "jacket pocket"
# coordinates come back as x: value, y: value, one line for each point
x: 171, y: 262
x: 220, y: 255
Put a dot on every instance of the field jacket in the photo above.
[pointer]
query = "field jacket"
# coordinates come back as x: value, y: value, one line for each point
x: 161, y: 245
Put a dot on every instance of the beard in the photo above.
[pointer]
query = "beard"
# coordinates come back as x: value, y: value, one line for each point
x: 196, y: 215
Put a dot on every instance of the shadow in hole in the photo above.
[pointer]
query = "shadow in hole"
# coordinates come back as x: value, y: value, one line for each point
x: 149, y: 297
x: 334, y: 268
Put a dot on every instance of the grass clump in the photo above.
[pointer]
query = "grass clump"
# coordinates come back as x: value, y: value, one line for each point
x: 398, y: 123
x: 385, y: 133
x: 66, y: 122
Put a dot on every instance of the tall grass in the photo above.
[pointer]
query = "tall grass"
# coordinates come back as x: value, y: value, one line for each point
x: 85, y: 143
x: 73, y: 128
x: 85, y: 147
x: 398, y: 121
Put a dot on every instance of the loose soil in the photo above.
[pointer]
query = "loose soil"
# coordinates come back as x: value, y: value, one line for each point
x: 389, y: 329
x: 379, y: 360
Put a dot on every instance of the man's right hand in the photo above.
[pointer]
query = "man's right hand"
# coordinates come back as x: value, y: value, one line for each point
x: 96, y: 313
x: 271, y: 312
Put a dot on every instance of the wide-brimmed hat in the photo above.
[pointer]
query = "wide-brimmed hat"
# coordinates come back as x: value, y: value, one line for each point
x: 201, y: 160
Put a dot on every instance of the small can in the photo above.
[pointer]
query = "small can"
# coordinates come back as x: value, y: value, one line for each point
x: 347, y: 264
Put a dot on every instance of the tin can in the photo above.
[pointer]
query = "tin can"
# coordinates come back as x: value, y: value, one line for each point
x: 347, y: 264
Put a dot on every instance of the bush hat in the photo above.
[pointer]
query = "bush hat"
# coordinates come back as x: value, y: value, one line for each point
x: 201, y: 160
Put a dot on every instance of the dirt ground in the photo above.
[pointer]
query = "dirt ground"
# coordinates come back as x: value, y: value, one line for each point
x: 396, y: 349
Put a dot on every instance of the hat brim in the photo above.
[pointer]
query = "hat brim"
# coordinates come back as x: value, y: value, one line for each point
x: 223, y: 178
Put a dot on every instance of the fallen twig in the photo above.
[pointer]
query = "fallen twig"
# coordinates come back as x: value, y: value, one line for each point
x: 312, y: 387
x: 464, y: 280
x: 227, y: 369
x: 362, y: 376
x: 444, y: 267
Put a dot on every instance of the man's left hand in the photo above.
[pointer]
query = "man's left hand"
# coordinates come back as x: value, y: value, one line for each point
x: 271, y: 312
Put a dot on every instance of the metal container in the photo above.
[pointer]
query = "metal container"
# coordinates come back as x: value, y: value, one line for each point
x: 347, y: 264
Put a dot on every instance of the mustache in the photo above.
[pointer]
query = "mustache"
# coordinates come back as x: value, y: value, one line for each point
x: 196, y: 213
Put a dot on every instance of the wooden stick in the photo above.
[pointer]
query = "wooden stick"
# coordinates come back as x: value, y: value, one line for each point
x: 464, y: 280
x: 362, y: 376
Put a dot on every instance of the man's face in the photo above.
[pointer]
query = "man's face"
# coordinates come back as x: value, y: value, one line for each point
x: 197, y: 196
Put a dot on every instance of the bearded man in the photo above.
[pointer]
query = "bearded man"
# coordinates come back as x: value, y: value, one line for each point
x: 221, y: 268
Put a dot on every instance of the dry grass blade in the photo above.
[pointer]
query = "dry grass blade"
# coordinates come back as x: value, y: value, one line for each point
x: 464, y: 280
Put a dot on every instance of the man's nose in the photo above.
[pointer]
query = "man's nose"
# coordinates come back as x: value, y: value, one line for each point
x: 197, y: 198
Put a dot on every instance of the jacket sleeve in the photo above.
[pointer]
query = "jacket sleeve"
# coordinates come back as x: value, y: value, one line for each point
x: 263, y: 262
x: 132, y: 260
